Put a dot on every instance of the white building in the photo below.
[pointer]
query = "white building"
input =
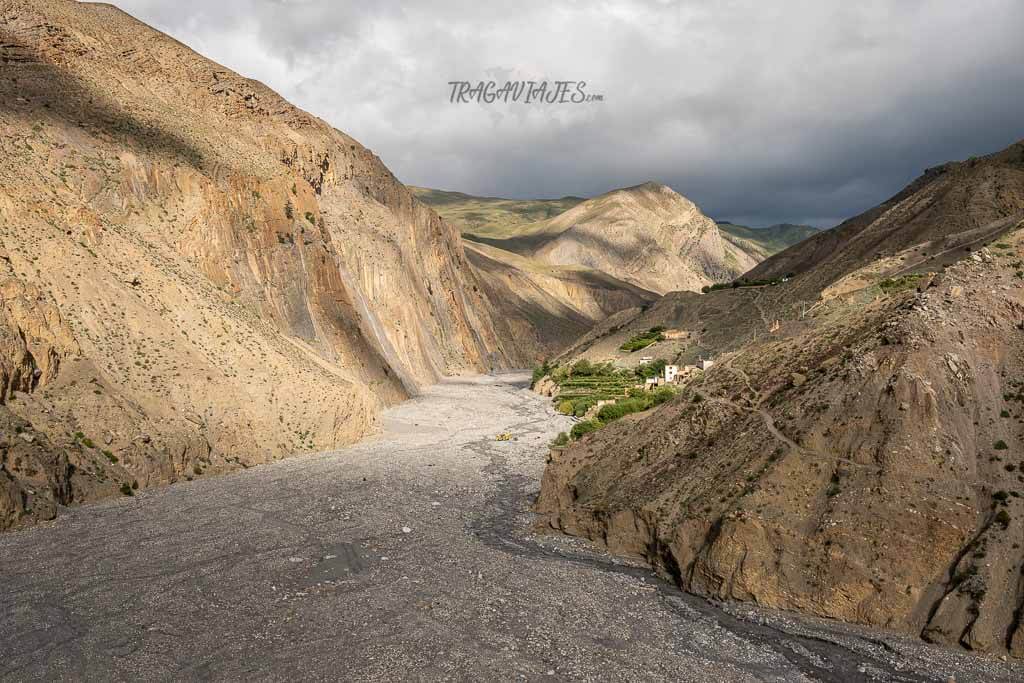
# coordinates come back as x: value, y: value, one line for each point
x: 705, y: 364
x: 671, y: 371
x: 644, y: 360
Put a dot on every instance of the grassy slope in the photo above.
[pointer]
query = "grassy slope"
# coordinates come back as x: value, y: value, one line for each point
x: 491, y: 217
x: 767, y: 241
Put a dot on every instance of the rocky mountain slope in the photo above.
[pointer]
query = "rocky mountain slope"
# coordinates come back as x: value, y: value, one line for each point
x: 937, y: 218
x: 549, y: 306
x: 196, y: 275
x: 648, y: 235
x: 856, y: 450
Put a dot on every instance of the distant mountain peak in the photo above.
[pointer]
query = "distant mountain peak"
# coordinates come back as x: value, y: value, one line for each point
x: 627, y: 232
x: 644, y: 187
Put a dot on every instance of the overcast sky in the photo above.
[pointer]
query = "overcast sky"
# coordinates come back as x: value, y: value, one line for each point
x: 759, y: 112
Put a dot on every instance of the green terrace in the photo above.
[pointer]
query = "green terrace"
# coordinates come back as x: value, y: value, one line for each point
x: 743, y: 282
x: 644, y: 339
x: 636, y: 401
x: 583, y: 384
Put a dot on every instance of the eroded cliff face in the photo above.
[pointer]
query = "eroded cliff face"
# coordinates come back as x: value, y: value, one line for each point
x: 35, y: 476
x: 199, y: 275
x: 545, y: 307
x: 864, y: 464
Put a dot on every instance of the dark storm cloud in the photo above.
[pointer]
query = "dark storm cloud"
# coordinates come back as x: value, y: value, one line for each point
x: 759, y: 112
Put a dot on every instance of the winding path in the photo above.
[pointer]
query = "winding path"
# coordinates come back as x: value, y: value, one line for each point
x: 408, y: 556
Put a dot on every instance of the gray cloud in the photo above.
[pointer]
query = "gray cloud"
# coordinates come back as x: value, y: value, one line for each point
x: 759, y: 112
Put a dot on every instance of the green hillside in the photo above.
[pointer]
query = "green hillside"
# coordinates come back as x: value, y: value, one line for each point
x: 491, y: 217
x: 766, y: 241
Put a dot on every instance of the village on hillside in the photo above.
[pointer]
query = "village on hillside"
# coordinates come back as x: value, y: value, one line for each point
x: 672, y: 374
x: 601, y: 392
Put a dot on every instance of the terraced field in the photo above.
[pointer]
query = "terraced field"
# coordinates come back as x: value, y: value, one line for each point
x: 597, y: 388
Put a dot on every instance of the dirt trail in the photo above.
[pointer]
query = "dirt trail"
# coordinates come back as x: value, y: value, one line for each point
x: 406, y: 556
x: 757, y: 401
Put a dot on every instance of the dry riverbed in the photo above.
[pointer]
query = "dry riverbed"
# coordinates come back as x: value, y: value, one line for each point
x: 408, y: 556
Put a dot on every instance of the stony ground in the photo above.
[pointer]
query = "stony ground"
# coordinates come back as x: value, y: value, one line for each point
x: 406, y: 557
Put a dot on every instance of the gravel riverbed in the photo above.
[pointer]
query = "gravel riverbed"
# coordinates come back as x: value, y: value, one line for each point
x: 407, y: 556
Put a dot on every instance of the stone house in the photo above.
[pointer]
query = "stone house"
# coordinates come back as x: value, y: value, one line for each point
x: 671, y: 372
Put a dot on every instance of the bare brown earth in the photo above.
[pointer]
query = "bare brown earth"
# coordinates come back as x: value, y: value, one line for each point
x: 862, y: 460
x: 197, y: 276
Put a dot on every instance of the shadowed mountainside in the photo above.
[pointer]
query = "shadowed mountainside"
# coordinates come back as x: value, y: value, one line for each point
x: 552, y: 305
x: 935, y: 219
